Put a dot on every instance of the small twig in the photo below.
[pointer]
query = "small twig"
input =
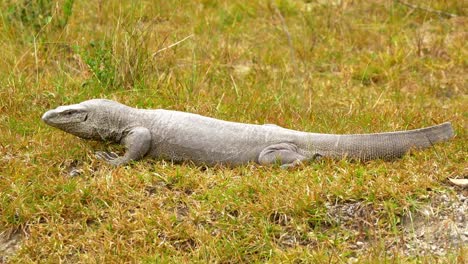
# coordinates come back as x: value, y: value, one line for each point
x: 288, y: 36
x: 427, y: 9
x: 36, y: 60
x: 172, y: 45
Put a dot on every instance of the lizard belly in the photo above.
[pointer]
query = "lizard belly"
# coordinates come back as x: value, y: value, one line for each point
x: 202, y: 152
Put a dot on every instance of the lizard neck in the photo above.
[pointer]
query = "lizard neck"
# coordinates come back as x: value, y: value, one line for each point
x: 112, y: 124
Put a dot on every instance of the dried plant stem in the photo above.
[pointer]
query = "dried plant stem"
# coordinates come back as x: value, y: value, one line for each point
x: 427, y: 9
x: 172, y: 45
x: 288, y: 36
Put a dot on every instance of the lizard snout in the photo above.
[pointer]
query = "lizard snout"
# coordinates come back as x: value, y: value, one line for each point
x: 46, y: 116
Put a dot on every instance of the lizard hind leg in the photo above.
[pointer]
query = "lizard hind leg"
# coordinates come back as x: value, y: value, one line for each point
x: 285, y: 154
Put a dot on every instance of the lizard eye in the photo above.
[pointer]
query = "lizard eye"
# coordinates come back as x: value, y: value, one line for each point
x: 73, y: 116
x: 66, y: 115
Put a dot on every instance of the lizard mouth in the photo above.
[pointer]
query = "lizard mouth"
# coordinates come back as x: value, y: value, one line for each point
x: 54, y: 117
x: 47, y: 117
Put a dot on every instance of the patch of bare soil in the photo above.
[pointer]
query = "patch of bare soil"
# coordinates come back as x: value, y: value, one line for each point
x: 9, y: 244
x: 437, y: 227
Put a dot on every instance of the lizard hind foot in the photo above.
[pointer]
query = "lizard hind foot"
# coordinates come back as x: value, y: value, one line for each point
x: 285, y: 154
x: 291, y: 165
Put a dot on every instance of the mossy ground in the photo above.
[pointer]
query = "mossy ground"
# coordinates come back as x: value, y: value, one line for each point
x: 322, y: 66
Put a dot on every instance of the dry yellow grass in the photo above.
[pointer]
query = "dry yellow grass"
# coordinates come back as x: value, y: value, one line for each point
x: 322, y: 66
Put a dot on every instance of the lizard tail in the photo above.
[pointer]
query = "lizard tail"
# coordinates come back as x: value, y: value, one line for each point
x: 386, y: 146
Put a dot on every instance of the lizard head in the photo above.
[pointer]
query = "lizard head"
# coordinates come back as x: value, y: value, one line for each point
x: 73, y: 119
x: 93, y: 119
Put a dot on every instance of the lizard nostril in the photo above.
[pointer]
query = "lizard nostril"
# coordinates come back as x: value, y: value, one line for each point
x: 48, y: 116
x: 45, y: 116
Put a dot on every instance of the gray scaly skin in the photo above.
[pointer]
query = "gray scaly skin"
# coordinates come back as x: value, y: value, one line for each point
x: 180, y: 136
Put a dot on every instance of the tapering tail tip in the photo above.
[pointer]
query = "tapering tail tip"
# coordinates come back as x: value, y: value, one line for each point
x: 439, y: 133
x: 387, y: 145
x: 450, y: 129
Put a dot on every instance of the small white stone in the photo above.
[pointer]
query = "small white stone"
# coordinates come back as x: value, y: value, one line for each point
x: 75, y: 172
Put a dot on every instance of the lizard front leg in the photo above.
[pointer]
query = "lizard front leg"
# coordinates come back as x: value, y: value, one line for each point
x: 137, y: 142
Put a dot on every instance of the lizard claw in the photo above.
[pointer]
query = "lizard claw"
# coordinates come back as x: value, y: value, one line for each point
x: 110, y: 157
x: 293, y: 164
x: 113, y: 155
x: 106, y: 156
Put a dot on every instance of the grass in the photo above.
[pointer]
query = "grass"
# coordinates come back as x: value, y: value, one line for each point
x: 347, y: 67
